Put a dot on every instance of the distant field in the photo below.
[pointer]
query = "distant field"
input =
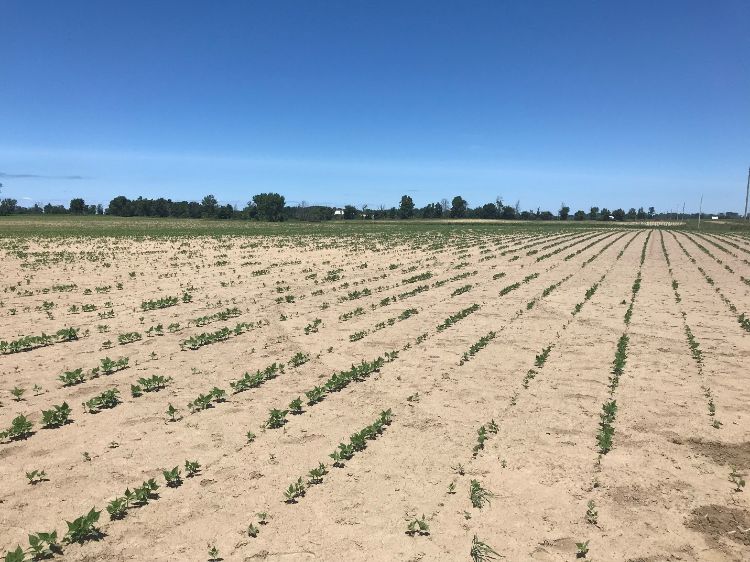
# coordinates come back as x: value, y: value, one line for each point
x: 66, y: 225
x: 390, y: 391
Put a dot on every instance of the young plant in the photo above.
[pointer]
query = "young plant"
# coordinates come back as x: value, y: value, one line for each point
x: 107, y: 399
x: 542, y: 357
x: 36, y: 476
x: 213, y: 553
x: 252, y: 531
x: 294, y: 491
x: 582, y: 549
x: 481, y: 438
x: 338, y: 461
x: 173, y: 477
x: 418, y: 527
x: 71, y: 378
x: 20, y: 428
x: 18, y: 393
x: 478, y: 495
x: 172, y: 412
x: 117, y: 508
x: 201, y: 403
x: 17, y: 555
x: 736, y: 479
x: 57, y: 416
x: 299, y: 359
x: 358, y: 441
x: 346, y: 452
x: 316, y: 474
x: 129, y: 337
x: 83, y: 528
x: 295, y: 406
x: 592, y: 515
x: 276, y: 418
x: 315, y: 395
x: 606, y: 430
x: 192, y: 468
x: 146, y: 492
x: 218, y: 395
x: 44, y: 545
x: 481, y: 552
x: 109, y: 366
x: 153, y: 383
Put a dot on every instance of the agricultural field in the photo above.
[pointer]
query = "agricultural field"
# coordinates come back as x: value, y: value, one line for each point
x: 493, y: 392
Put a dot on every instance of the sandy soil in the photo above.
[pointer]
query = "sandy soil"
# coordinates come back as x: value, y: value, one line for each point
x: 662, y: 492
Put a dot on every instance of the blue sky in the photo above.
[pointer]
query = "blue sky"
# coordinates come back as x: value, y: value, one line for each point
x: 614, y: 104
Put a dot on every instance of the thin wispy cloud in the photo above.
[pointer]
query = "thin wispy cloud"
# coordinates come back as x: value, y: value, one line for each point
x: 487, y: 168
x: 39, y: 176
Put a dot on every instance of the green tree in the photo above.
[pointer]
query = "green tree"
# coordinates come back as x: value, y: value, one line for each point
x: 488, y: 211
x: 619, y: 214
x: 8, y: 206
x: 509, y: 212
x: 641, y: 214
x: 406, y: 207
x: 118, y: 206
x: 269, y: 206
x: 225, y: 212
x: 632, y: 213
x: 594, y: 213
x: 579, y: 216
x: 564, y: 212
x: 458, y: 207
x: 350, y: 212
x: 604, y: 214
x: 77, y: 206
x: 209, y: 206
x: 432, y: 211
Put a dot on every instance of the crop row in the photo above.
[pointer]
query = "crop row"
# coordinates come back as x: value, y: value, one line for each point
x: 344, y: 452
x: 107, y: 366
x: 408, y: 313
x: 45, y: 545
x: 586, y: 247
x: 477, y: 347
x: 216, y: 317
x: 163, y: 302
x: 207, y: 338
x: 742, y: 319
x: 563, y: 248
x: 513, y: 286
x: 27, y: 343
x: 695, y: 350
x: 605, y: 435
x: 460, y: 315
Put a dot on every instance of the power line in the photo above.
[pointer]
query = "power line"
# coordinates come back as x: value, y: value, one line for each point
x: 747, y: 193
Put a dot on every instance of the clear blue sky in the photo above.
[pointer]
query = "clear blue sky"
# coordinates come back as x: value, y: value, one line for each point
x: 613, y: 104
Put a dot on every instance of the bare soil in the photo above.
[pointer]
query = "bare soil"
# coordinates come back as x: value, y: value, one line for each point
x: 661, y: 493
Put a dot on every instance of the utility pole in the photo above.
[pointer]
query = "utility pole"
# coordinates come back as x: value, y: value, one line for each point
x: 747, y: 193
x: 700, y: 210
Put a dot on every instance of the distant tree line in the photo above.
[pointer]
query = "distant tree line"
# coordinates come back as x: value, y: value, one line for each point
x: 272, y: 207
x: 77, y: 207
